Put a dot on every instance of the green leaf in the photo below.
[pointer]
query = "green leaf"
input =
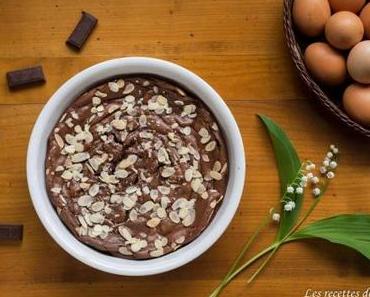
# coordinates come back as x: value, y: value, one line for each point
x: 351, y: 230
x: 289, y: 166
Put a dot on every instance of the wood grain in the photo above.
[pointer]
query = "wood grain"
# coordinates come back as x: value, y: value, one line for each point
x: 238, y: 47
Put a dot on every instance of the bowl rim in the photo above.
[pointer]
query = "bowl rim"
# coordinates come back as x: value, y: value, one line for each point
x: 311, y: 84
x: 37, y: 151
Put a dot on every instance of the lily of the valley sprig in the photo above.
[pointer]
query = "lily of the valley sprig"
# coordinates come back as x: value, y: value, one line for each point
x: 296, y: 179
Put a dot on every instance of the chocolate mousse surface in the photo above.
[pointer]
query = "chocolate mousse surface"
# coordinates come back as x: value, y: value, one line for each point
x: 136, y: 167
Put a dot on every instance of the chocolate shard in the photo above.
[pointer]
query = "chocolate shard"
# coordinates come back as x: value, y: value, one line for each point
x: 82, y: 30
x: 11, y: 232
x: 24, y: 77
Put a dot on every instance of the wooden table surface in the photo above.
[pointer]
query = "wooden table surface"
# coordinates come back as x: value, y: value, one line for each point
x: 238, y: 47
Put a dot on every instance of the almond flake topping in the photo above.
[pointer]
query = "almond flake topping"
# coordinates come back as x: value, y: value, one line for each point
x: 85, y: 200
x: 154, y: 222
x: 128, y: 89
x: 125, y: 163
x: 59, y: 140
x: 113, y: 87
x: 215, y: 175
x: 211, y: 146
x: 96, y: 101
x: 168, y: 171
x: 119, y: 124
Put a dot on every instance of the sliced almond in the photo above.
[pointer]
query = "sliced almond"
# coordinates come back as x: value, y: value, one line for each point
x: 96, y: 101
x: 82, y: 221
x: 124, y: 251
x: 168, y: 171
x: 156, y: 253
x: 165, y: 201
x: 130, y: 160
x: 113, y: 108
x: 205, y: 158
x: 186, y: 130
x: 128, y: 202
x: 161, y: 213
x: 59, y: 140
x: 189, y: 219
x: 56, y: 190
x: 128, y: 89
x: 180, y: 240
x: 224, y: 168
x: 85, y: 201
x: 174, y: 217
x: 133, y: 215
x: 97, y: 206
x: 215, y: 175
x: 142, y: 120
x: 188, y: 109
x: 120, y: 83
x: 100, y: 94
x: 204, y: 140
x: 195, y: 183
x: 180, y: 203
x: 154, y: 222
x: 113, y: 87
x: 97, y: 218
x: 154, y: 194
x: 183, y: 150
x: 94, y: 190
x: 211, y: 146
x: 164, y: 190
x: 125, y: 233
x: 217, y: 166
x: 119, y: 124
x: 205, y: 195
x: 137, y: 246
x: 146, y: 207
x: 188, y: 174
x: 67, y: 175
x: 203, y: 132
x: 80, y: 157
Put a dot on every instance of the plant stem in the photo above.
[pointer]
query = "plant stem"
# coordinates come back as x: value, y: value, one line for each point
x: 263, y: 264
x: 285, y: 239
x: 247, y: 245
x: 228, y: 279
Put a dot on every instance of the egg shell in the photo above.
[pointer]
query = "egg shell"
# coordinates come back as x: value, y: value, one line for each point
x: 310, y: 16
x: 346, y: 5
x: 358, y: 62
x: 356, y: 102
x: 344, y: 30
x: 365, y: 18
x: 325, y: 63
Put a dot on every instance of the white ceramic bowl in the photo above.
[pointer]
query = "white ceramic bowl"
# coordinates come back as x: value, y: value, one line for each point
x: 36, y: 167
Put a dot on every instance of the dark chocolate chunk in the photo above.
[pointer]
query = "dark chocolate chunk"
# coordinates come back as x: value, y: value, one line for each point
x: 11, y: 232
x: 23, y: 77
x: 82, y: 30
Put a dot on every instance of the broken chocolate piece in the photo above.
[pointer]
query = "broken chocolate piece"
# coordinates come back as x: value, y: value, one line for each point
x: 23, y: 77
x: 11, y: 232
x: 82, y: 30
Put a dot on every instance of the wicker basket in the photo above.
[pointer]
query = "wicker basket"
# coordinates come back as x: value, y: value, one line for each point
x: 330, y: 99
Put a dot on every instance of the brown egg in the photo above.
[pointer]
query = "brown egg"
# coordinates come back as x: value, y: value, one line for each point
x: 310, y: 16
x: 347, y: 5
x: 365, y: 18
x: 358, y: 62
x: 344, y: 30
x: 356, y: 102
x: 325, y: 63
